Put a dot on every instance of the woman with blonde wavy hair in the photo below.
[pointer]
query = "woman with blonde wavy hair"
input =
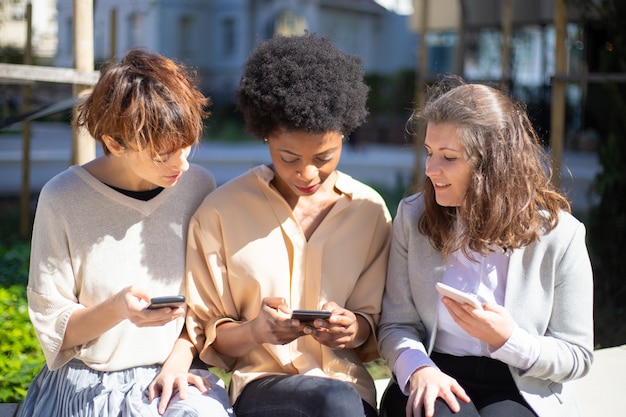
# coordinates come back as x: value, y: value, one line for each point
x: 486, y: 222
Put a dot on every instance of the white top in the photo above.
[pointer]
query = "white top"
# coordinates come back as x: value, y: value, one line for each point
x: 89, y: 242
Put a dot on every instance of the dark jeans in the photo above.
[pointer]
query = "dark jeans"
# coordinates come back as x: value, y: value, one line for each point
x: 301, y: 396
x: 488, y: 383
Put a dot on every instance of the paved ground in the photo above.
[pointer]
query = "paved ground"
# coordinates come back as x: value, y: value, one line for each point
x: 600, y: 393
x: 385, y: 165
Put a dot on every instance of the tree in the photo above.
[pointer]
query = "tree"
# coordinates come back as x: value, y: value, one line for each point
x: 605, y: 110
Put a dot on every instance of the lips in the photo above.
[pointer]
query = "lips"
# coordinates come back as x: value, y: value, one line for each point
x: 174, y: 177
x: 308, y: 190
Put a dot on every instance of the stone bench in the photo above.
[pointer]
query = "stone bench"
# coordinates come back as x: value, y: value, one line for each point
x: 9, y: 409
x: 599, y: 393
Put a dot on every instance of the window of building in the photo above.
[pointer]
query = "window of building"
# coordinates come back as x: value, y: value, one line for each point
x: 288, y: 23
x: 185, y: 29
x: 228, y: 36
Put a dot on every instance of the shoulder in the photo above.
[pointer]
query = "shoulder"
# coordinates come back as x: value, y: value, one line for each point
x: 357, y: 189
x: 234, y: 192
x: 64, y: 185
x: 411, y: 208
x: 199, y: 176
x: 567, y: 227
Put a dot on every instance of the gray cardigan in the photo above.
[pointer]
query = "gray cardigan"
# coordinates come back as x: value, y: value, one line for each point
x: 549, y: 294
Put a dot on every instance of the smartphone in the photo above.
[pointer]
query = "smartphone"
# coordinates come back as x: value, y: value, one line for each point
x: 458, y: 296
x: 171, y: 301
x: 310, y: 315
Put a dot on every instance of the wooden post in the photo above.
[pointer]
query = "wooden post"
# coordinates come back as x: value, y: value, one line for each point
x: 557, y: 112
x: 422, y: 71
x: 507, y: 24
x: 26, y: 132
x: 83, y: 146
x: 113, y: 30
x: 459, y: 59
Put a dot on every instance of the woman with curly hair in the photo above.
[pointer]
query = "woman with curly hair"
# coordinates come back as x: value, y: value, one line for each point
x: 294, y: 234
x: 486, y: 222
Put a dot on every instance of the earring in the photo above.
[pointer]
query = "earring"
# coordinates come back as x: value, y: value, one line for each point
x: 264, y: 140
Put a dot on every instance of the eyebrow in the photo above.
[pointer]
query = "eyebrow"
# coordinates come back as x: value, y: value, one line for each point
x: 317, y: 154
x: 444, y: 148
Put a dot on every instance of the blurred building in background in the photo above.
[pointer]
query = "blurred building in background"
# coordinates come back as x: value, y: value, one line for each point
x: 216, y: 36
x: 464, y: 37
x: 13, y: 26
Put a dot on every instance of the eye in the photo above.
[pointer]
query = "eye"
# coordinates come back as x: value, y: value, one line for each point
x: 326, y: 158
x: 289, y: 160
x: 161, y: 158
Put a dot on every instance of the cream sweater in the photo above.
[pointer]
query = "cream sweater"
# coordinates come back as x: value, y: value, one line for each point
x: 89, y: 242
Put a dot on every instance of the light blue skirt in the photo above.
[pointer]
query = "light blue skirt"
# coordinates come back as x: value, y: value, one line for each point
x: 76, y: 390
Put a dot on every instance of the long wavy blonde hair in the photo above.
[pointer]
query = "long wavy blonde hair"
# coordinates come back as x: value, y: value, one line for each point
x: 510, y: 200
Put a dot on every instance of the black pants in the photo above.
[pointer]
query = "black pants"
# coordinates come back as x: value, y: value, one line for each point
x: 488, y: 383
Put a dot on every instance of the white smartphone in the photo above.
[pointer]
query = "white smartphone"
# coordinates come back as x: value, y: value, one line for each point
x: 458, y: 296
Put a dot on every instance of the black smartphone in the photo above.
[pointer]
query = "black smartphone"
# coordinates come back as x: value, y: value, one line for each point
x: 310, y: 315
x: 171, y: 301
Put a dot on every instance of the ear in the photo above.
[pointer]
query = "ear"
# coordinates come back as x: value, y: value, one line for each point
x: 112, y: 145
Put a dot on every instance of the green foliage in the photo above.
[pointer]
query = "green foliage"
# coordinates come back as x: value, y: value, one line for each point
x: 14, y: 265
x: 20, y: 353
x: 11, y: 55
x: 226, y: 124
x: 391, y: 94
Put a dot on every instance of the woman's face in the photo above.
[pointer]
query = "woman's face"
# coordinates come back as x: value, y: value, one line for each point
x: 446, y: 166
x: 164, y: 170
x: 303, y: 161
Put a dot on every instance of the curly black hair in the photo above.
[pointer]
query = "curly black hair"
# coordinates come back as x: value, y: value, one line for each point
x: 302, y: 83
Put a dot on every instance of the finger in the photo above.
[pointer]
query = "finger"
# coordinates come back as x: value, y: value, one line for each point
x: 274, y: 302
x: 154, y: 391
x: 199, y: 382
x: 450, y: 399
x: 166, y: 395
x: 429, y: 405
x: 413, y: 406
x: 182, y: 388
x: 460, y: 392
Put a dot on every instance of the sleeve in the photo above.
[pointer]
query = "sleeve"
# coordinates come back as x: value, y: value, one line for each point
x: 401, y: 329
x: 51, y: 281
x: 521, y: 350
x: 209, y: 299
x: 566, y: 347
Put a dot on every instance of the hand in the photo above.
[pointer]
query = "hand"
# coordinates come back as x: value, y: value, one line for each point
x: 133, y: 302
x: 340, y: 331
x: 273, y: 324
x: 493, y: 324
x: 167, y: 381
x: 426, y: 385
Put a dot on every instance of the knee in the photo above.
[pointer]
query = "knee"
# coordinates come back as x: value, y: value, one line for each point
x: 338, y: 398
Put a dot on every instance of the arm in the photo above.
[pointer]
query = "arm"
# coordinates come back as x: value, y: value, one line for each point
x: 567, y: 345
x: 86, y: 324
x: 272, y: 325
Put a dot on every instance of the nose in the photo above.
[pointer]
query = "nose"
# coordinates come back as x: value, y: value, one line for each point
x: 309, y: 172
x: 430, y: 167
x: 179, y: 160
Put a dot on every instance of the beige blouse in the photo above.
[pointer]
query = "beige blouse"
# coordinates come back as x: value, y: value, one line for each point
x: 245, y: 244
